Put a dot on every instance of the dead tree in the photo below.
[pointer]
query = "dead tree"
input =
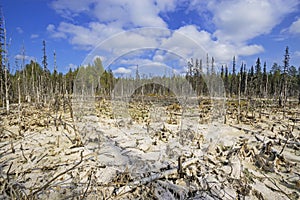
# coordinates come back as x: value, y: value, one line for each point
x: 2, y: 52
x: 4, y: 62
x: 44, y: 77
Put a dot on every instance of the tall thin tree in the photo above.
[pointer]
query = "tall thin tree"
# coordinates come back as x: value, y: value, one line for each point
x: 45, y: 74
x: 286, y: 64
x: 4, y: 61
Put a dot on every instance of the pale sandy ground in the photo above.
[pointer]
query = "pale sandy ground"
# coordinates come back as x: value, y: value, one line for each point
x: 122, y: 153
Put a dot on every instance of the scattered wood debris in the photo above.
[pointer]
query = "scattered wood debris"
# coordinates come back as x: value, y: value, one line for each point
x: 49, y: 155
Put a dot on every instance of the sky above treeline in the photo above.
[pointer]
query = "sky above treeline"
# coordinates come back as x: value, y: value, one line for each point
x: 151, y: 34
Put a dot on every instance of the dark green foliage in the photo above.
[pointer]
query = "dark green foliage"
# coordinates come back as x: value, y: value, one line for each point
x: 258, y: 82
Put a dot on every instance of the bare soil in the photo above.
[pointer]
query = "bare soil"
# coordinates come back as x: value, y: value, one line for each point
x: 154, y: 150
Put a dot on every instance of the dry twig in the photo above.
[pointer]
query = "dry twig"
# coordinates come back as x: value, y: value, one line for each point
x: 60, y: 174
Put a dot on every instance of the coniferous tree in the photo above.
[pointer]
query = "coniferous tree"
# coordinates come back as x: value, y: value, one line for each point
x: 222, y: 72
x: 251, y: 82
x: 275, y: 82
x: 226, y: 79
x: 243, y: 78
x: 258, y: 76
x: 246, y: 80
x: 207, y: 65
x: 292, y: 82
x: 286, y: 64
x: 233, y: 82
x: 265, y: 79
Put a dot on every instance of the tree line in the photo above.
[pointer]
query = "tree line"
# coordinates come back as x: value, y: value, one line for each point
x: 280, y: 82
x: 33, y: 82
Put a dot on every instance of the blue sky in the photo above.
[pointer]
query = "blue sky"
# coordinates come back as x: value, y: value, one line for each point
x: 119, y: 31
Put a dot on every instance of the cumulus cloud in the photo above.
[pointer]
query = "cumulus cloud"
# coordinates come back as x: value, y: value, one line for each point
x: 122, y: 70
x: 125, y: 13
x: 295, y: 27
x: 54, y: 33
x: 238, y: 20
x: 129, y: 13
x: 202, y: 43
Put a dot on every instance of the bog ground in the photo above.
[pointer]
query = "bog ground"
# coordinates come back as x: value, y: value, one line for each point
x: 158, y: 150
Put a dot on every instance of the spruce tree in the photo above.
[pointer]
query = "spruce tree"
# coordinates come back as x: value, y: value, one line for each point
x: 286, y: 64
x: 258, y: 84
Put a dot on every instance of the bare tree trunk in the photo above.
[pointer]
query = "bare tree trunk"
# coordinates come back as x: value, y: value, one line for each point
x: 24, y: 76
x: 239, y: 100
x: 19, y: 105
x: 6, y: 73
x: 246, y: 84
x: 6, y: 89
x: 266, y: 87
x: 1, y: 88
x: 32, y: 82
x: 38, y: 89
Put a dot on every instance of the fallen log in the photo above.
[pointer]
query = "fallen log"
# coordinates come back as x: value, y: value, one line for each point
x: 131, y: 186
x: 246, y: 130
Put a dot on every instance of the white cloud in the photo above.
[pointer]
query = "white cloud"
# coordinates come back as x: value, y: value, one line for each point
x: 197, y: 43
x: 124, y: 13
x: 71, y: 66
x: 21, y: 57
x: 19, y: 30
x: 135, y: 61
x: 122, y: 70
x: 33, y: 36
x: 54, y: 33
x: 50, y: 28
x: 235, y: 23
x: 128, y: 48
x: 129, y: 13
x: 297, y: 53
x: 295, y: 27
x: 103, y: 58
x: 250, y: 50
x: 166, y: 5
x: 238, y: 20
x: 155, y: 69
x: 81, y: 36
x: 69, y: 9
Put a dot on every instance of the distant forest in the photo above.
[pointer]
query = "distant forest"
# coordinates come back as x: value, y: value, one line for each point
x: 33, y: 82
